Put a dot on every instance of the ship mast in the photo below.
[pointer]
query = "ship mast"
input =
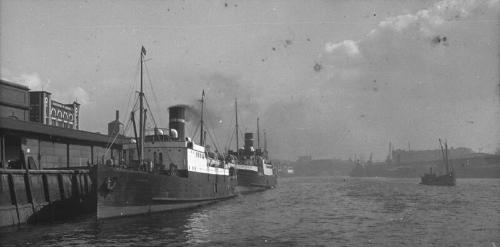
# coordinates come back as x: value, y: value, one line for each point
x: 237, y: 132
x: 265, y: 145
x: 141, y: 113
x: 258, y: 134
x: 447, y: 161
x: 201, y: 119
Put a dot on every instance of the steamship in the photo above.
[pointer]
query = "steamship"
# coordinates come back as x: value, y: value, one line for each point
x: 163, y: 170
x: 255, y: 172
x: 253, y: 168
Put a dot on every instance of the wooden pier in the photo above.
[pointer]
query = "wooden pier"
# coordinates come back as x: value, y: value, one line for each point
x: 30, y: 196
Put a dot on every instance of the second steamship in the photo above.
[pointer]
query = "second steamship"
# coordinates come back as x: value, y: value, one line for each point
x: 253, y: 167
x: 254, y: 170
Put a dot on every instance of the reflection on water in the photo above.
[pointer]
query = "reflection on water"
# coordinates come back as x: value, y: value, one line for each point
x: 197, y: 228
x: 313, y: 211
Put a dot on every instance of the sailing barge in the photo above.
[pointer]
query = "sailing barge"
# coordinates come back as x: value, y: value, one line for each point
x: 446, y: 179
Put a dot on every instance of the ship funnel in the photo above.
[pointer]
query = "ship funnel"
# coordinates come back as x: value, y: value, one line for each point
x: 177, y: 120
x: 248, y: 141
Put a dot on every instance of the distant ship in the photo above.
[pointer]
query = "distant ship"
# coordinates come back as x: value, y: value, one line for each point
x: 164, y: 170
x: 446, y: 179
x: 253, y: 168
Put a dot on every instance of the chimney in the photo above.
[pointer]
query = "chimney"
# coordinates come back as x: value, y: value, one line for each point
x: 117, y: 115
x: 248, y: 141
x: 177, y: 120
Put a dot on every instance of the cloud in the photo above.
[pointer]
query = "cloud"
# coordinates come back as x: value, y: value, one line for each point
x: 81, y: 96
x: 411, y: 76
x: 349, y: 46
x: 428, y: 19
x: 32, y: 80
x: 425, y: 23
x: 405, y: 35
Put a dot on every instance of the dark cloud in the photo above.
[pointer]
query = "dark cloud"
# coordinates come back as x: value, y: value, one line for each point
x: 317, y: 67
x: 443, y: 40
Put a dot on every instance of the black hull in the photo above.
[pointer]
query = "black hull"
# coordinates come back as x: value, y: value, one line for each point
x: 251, y: 181
x: 443, y: 180
x: 124, y: 192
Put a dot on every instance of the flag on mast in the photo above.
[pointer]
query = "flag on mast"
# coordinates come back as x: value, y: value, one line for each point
x: 143, y: 50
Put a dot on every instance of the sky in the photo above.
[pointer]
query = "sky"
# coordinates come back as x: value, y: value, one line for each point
x: 325, y: 78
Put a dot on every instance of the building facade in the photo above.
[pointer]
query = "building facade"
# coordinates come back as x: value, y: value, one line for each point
x: 14, y: 101
x: 50, y: 112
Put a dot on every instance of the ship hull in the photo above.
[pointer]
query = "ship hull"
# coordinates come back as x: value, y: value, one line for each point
x: 251, y: 181
x: 442, y: 180
x: 124, y: 192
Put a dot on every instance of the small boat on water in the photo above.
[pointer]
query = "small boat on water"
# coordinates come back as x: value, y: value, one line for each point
x: 446, y: 179
x: 165, y: 170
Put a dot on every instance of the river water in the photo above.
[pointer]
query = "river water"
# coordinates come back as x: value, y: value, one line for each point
x: 304, y: 211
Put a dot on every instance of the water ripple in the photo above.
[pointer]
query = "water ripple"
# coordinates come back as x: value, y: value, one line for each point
x: 308, y: 211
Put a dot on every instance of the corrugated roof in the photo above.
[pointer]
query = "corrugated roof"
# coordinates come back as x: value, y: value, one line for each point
x: 37, y: 128
x: 12, y: 84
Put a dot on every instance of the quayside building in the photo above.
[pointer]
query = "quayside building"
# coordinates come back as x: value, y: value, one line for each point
x: 46, y: 162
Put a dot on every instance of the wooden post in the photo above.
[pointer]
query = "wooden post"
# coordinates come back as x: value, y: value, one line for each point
x: 39, y: 156
x: 91, y: 154
x: 2, y: 151
x: 67, y: 155
x: 13, y: 196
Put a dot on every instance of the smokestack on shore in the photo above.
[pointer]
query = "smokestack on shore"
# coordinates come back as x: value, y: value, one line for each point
x: 115, y: 127
x: 177, y: 120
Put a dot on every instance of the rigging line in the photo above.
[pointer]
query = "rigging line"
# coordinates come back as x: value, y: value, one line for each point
x: 210, y: 134
x: 130, y: 114
x: 152, y: 90
x: 132, y: 91
x: 154, y: 120
x: 211, y: 137
x: 108, y: 147
x: 114, y: 139
x: 230, y: 141
x: 228, y: 146
x: 136, y: 100
x: 133, y: 85
x: 209, y: 118
x: 195, y: 131
x: 129, y: 120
